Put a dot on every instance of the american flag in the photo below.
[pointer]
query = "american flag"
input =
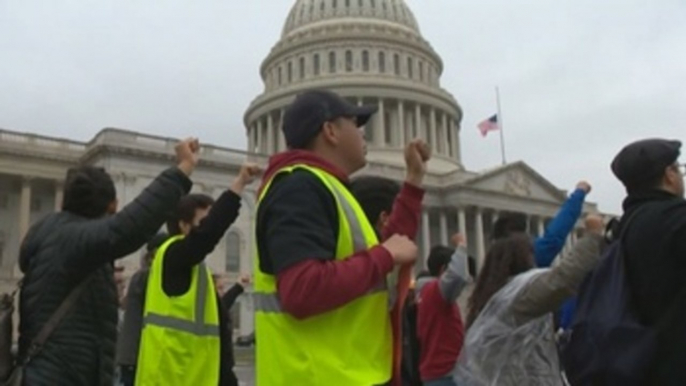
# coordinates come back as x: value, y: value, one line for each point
x: 490, y: 124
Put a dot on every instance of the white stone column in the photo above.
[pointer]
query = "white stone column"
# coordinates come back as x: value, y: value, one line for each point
x: 59, y: 195
x: 279, y: 129
x: 270, y: 134
x: 401, y: 124
x: 25, y: 207
x: 462, y: 222
x: 541, y: 226
x: 418, y: 122
x: 444, y: 130
x: 449, y: 137
x: 457, y: 151
x: 444, y: 228
x: 380, y: 129
x: 480, y: 244
x: 426, y: 233
x: 432, y: 127
x: 259, y: 139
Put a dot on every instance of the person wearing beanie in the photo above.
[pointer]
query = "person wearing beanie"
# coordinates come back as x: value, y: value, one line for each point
x: 655, y: 248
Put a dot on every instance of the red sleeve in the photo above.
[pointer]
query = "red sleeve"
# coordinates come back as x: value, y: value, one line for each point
x: 404, y: 218
x: 313, y: 287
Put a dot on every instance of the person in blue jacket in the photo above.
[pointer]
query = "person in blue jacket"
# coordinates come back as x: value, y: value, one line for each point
x: 548, y: 246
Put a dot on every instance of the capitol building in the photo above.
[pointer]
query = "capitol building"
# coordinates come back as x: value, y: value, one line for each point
x: 370, y: 52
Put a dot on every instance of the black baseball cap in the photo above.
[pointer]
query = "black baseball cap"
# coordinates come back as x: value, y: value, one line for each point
x: 305, y: 117
x: 643, y: 162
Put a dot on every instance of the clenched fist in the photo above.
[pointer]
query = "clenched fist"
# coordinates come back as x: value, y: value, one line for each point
x: 403, y: 250
x: 187, y: 155
x: 417, y: 154
x: 246, y: 176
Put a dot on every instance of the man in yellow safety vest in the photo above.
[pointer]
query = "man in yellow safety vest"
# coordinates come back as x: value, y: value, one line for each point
x: 321, y: 291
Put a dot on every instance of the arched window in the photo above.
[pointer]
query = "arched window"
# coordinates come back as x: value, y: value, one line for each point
x: 421, y: 71
x: 332, y: 61
x: 348, y: 61
x: 382, y: 62
x: 233, y: 252
x: 290, y: 72
x: 334, y: 4
x: 410, y: 68
x: 316, y: 64
x: 365, y: 61
x: 280, y: 75
x: 396, y: 64
x: 302, y: 68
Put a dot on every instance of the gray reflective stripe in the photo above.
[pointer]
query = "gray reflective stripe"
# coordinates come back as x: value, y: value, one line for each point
x: 359, y: 241
x: 266, y: 302
x: 196, y: 327
x: 181, y: 325
x: 201, y: 295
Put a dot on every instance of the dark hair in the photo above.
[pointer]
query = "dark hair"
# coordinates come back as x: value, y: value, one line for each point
x: 423, y: 274
x: 185, y: 210
x: 439, y: 257
x: 88, y: 191
x: 375, y: 195
x: 507, y: 258
x: 509, y: 223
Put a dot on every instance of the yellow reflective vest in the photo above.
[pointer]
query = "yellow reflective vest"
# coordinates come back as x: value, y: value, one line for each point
x: 180, y: 340
x: 348, y: 346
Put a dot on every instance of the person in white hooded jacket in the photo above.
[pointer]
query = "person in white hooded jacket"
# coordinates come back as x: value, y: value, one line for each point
x: 510, y: 338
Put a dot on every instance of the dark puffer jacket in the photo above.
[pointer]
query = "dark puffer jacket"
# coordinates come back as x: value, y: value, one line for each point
x: 64, y: 249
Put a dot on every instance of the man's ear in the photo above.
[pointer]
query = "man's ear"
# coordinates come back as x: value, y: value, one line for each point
x: 330, y: 133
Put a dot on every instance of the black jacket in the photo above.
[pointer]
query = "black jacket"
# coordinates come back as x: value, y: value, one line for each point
x: 655, y: 250
x: 62, y: 250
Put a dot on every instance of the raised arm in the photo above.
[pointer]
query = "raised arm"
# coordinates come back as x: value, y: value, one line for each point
x: 455, y: 278
x: 116, y: 236
x: 551, y: 243
x: 547, y: 291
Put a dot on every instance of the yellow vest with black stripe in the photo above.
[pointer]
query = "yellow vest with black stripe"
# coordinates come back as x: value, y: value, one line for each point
x: 349, y: 346
x: 180, y: 339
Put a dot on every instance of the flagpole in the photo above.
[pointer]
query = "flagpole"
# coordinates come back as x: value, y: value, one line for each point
x: 500, y: 124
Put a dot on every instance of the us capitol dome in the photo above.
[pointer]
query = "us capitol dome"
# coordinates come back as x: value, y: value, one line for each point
x: 370, y: 52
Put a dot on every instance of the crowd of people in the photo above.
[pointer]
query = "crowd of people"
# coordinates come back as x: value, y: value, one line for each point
x: 333, y: 290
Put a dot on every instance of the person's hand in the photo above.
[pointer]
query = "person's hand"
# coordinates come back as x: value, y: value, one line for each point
x: 187, y: 155
x: 459, y: 240
x: 403, y: 250
x: 594, y: 224
x: 417, y: 154
x: 246, y: 176
x: 244, y: 280
x: 585, y: 186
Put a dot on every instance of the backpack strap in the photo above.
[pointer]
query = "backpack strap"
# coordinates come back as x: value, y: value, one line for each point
x: 54, y: 321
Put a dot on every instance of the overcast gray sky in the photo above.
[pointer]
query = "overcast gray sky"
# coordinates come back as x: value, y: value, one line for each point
x: 578, y: 78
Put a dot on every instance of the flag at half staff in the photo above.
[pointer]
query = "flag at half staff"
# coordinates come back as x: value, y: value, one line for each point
x: 490, y: 124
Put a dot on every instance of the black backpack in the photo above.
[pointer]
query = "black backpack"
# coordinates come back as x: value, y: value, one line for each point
x: 607, y: 344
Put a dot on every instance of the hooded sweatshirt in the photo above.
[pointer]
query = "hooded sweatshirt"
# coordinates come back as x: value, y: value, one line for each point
x: 297, y: 230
